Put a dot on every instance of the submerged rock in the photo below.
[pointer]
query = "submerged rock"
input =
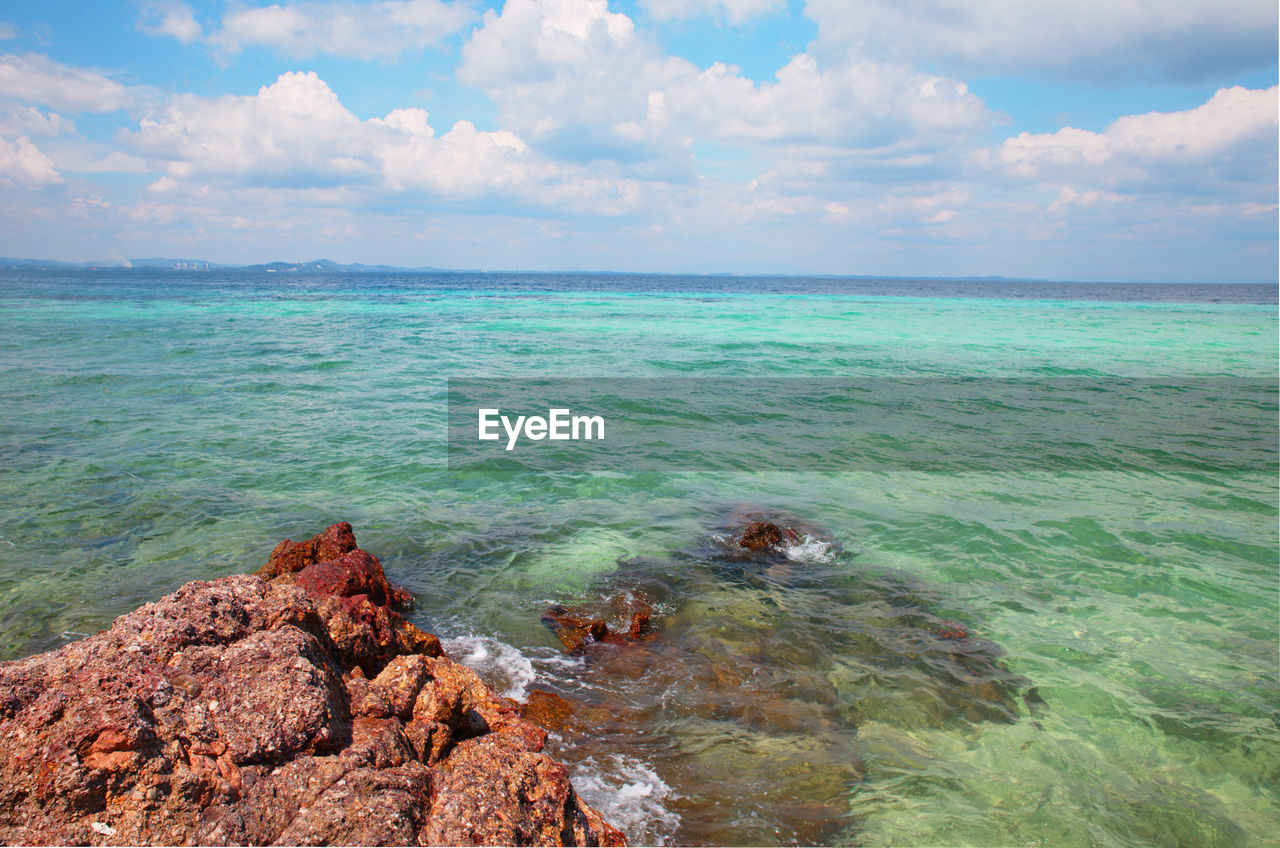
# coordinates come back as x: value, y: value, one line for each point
x: 578, y: 629
x: 574, y: 631
x: 294, y: 706
x: 742, y: 668
x: 753, y: 632
x: 761, y: 536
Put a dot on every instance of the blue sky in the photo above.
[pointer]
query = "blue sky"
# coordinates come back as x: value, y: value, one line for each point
x: 1066, y: 139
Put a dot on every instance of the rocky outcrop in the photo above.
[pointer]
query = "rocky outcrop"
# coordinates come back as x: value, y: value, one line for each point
x: 293, y: 706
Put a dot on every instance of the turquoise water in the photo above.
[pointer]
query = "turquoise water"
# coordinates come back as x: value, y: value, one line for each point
x: 159, y: 428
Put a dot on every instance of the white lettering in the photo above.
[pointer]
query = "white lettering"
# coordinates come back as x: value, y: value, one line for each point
x: 513, y: 433
x: 587, y: 422
x: 486, y: 424
x: 559, y: 425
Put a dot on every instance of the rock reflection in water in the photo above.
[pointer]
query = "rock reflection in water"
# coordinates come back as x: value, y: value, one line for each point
x: 742, y: 675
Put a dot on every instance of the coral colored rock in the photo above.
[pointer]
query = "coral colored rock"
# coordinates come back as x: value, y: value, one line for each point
x: 761, y: 536
x: 575, y: 632
x: 522, y: 806
x: 289, y: 556
x: 296, y: 709
x: 546, y: 709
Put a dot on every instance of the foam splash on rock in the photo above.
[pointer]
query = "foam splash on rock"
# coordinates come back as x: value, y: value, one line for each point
x: 501, y: 665
x: 633, y: 793
x: 806, y: 548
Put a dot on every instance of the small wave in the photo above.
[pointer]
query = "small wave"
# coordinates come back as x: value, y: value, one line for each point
x: 809, y: 549
x: 502, y: 666
x: 804, y: 548
x: 630, y: 794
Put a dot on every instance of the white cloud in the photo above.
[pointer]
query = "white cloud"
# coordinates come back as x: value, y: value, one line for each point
x: 1231, y: 139
x: 930, y: 209
x: 7, y: 31
x: 22, y: 164
x: 293, y: 131
x: 365, y: 31
x: 91, y: 158
x: 735, y: 11
x: 861, y: 104
x: 1101, y: 40
x: 295, y: 135
x: 170, y: 17
x: 463, y: 161
x: 20, y: 119
x: 33, y: 78
x: 532, y: 40
x: 579, y: 81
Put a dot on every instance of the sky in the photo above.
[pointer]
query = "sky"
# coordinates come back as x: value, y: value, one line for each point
x: 1062, y: 139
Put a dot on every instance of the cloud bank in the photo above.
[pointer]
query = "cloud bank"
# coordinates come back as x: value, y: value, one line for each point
x: 576, y: 137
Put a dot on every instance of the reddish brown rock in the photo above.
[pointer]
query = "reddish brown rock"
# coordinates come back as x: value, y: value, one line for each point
x: 524, y: 805
x: 574, y: 631
x: 547, y: 709
x: 761, y: 536
x: 636, y: 610
x: 329, y: 563
x: 952, y: 630
x: 556, y: 713
x: 290, y: 557
x: 298, y: 709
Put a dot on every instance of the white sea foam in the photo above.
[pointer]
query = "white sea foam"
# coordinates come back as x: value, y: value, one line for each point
x: 805, y: 548
x: 809, y: 549
x: 631, y: 796
x: 502, y: 666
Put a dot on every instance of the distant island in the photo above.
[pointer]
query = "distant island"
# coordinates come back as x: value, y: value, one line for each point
x: 327, y: 266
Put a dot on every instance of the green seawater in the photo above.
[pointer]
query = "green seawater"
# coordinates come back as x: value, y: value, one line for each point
x: 159, y: 428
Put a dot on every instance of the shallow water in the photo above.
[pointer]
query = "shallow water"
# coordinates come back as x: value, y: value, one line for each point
x: 160, y: 428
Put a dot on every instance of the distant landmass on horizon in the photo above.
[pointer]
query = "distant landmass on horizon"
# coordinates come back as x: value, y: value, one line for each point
x: 162, y: 262
x: 328, y: 266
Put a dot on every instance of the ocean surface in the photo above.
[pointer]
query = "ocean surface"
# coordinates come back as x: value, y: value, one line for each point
x: 1076, y: 646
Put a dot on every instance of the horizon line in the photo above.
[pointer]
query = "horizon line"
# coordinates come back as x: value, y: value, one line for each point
x: 174, y: 263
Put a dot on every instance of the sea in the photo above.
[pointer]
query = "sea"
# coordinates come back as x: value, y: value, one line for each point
x: 1029, y: 592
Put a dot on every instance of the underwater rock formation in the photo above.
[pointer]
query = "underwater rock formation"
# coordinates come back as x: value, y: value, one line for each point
x: 963, y: 671
x: 293, y: 706
x: 576, y: 631
x: 768, y: 650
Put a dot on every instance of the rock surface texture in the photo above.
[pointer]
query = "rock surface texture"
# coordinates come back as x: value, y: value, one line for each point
x: 294, y: 706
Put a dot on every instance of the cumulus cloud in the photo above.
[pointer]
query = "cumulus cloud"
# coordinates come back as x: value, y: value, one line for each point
x: 735, y: 11
x: 33, y: 78
x: 364, y: 31
x: 294, y: 130
x: 22, y: 164
x: 295, y: 134
x: 577, y: 80
x: 20, y: 119
x: 858, y: 104
x: 533, y: 40
x: 172, y: 18
x: 1100, y: 40
x: 1231, y: 139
